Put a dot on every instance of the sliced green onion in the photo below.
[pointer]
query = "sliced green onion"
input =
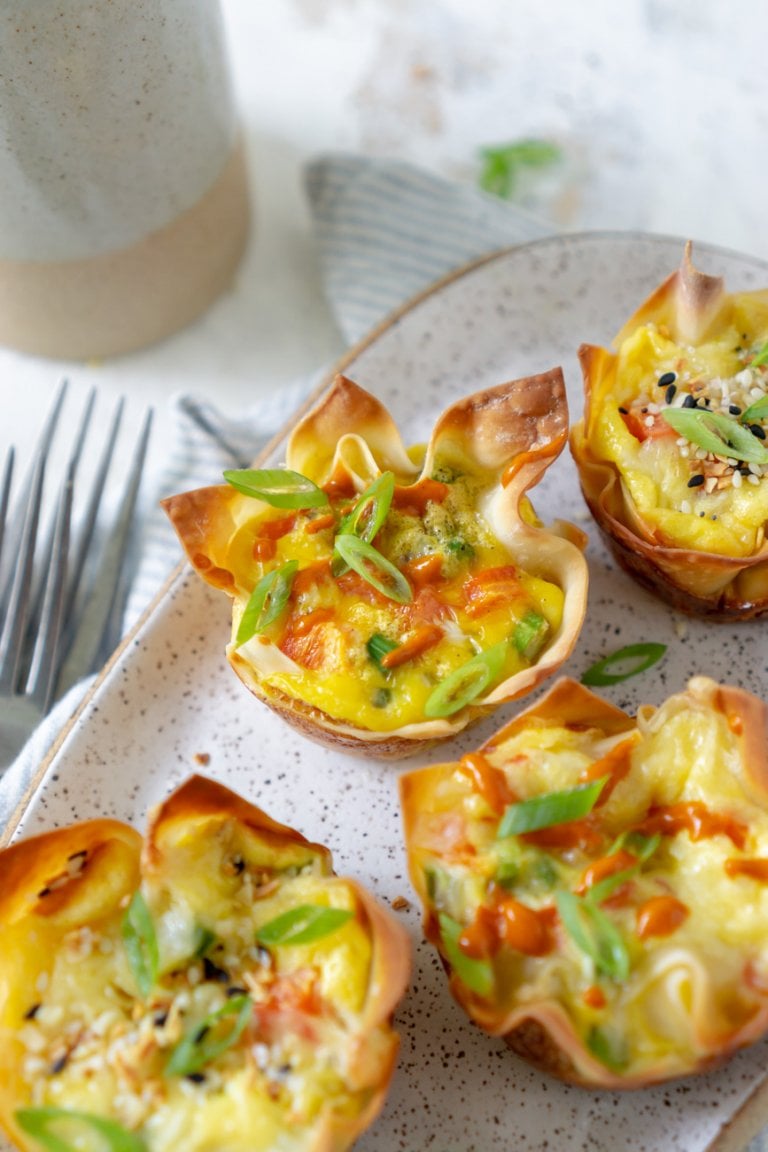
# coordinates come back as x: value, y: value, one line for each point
x: 39, y: 1122
x: 643, y: 847
x: 374, y: 567
x: 370, y: 511
x: 205, y: 939
x: 377, y: 647
x: 466, y: 683
x: 266, y: 602
x: 302, y: 925
x: 550, y: 808
x: 277, y: 486
x: 207, y: 1040
x: 606, y: 887
x: 756, y: 411
x: 639, y: 657
x: 502, y: 164
x: 760, y: 357
x: 477, y: 975
x: 594, y: 934
x: 717, y: 433
x: 609, y: 1049
x: 529, y: 633
x: 140, y: 942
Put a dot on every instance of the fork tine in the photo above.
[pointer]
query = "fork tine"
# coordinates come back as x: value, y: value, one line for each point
x: 41, y: 679
x: 95, y: 638
x: 5, y: 494
x: 12, y: 636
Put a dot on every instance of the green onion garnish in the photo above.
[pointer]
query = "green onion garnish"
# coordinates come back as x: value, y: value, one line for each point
x: 370, y: 511
x: 39, y: 1122
x: 140, y: 942
x: 502, y: 164
x: 760, y: 357
x: 529, y: 633
x: 477, y: 975
x: 550, y: 808
x: 266, y: 602
x: 277, y: 486
x: 643, y: 847
x: 717, y: 433
x: 608, y: 1049
x: 638, y: 656
x: 377, y: 647
x: 466, y: 683
x: 756, y: 411
x: 373, y: 567
x: 302, y: 925
x: 205, y: 939
x: 595, y: 934
x: 214, y: 1034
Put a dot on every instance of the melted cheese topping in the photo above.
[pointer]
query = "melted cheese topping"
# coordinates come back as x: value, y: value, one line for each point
x: 468, y: 595
x: 724, y: 509
x: 692, y: 917
x: 86, y: 1041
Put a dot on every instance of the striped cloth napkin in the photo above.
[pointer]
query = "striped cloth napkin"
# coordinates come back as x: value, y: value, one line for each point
x: 385, y: 230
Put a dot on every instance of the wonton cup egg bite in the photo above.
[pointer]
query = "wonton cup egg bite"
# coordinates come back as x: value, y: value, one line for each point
x: 597, y: 885
x: 672, y: 451
x: 214, y: 987
x: 384, y: 598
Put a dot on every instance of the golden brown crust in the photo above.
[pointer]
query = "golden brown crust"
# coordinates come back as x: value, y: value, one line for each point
x: 542, y: 1031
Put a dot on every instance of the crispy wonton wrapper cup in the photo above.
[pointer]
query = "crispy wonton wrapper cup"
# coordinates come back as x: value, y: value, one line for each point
x: 691, y: 305
x: 542, y: 1031
x: 514, y: 431
x: 191, y: 837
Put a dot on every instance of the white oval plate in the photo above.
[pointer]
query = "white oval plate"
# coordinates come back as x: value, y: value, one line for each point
x: 168, y: 701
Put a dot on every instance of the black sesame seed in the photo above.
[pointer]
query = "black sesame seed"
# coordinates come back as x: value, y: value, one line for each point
x: 238, y: 864
x: 59, y: 1064
x: 195, y: 1077
x: 33, y: 1011
x: 624, y: 411
x: 202, y: 1032
x: 236, y: 990
x: 666, y: 379
x: 213, y: 972
x: 689, y: 402
x: 696, y: 480
x: 159, y: 1019
x: 669, y: 395
x: 734, y: 410
x: 757, y: 430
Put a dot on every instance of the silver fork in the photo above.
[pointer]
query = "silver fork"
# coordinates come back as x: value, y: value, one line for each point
x: 60, y: 584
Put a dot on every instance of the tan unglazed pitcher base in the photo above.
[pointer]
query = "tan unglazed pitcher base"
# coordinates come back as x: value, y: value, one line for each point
x: 124, y: 300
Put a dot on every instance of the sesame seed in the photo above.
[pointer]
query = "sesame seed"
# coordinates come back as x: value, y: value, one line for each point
x: 649, y: 421
x: 669, y: 395
x: 689, y: 402
x: 696, y: 480
x: 624, y: 411
x: 756, y: 393
x: 654, y: 408
x: 701, y: 453
x: 666, y: 379
x: 685, y: 507
x: 753, y: 479
x: 755, y: 469
x: 734, y: 410
x: 757, y: 430
x: 685, y: 453
x: 736, y: 479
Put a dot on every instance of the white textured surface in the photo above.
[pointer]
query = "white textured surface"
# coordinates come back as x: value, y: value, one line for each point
x: 114, y: 118
x: 170, y: 696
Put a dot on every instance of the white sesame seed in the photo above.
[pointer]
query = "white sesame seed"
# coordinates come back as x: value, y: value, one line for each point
x: 753, y: 479
x: 685, y: 506
x: 654, y: 409
x: 701, y: 453
x: 685, y: 453
x: 681, y: 442
x: 681, y: 629
x: 755, y: 469
x: 744, y: 377
x: 649, y: 421
x: 756, y: 393
x: 736, y: 479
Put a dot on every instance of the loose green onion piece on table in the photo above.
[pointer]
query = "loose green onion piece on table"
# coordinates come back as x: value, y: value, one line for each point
x: 550, y: 808
x: 503, y: 163
x: 466, y: 683
x: 594, y: 934
x: 377, y: 647
x: 721, y: 435
x: 373, y: 567
x: 140, y: 943
x: 529, y: 633
x: 266, y: 602
x: 477, y: 975
x: 50, y: 1127
x: 760, y: 357
x: 214, y: 1034
x: 609, y: 670
x: 277, y: 486
x: 756, y: 411
x: 302, y: 925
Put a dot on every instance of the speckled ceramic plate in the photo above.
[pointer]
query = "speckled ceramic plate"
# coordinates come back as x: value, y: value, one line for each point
x: 168, y: 705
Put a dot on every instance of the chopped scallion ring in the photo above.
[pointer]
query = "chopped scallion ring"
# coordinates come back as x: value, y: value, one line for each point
x: 529, y: 634
x: 595, y: 934
x: 550, y: 808
x: 719, y: 434
x: 477, y: 975
x: 266, y: 602
x: 41, y: 1125
x: 639, y: 657
x: 370, y: 511
x: 466, y: 683
x: 377, y: 647
x: 208, y: 1039
x: 277, y: 486
x: 373, y: 567
x: 302, y: 925
x: 140, y: 942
